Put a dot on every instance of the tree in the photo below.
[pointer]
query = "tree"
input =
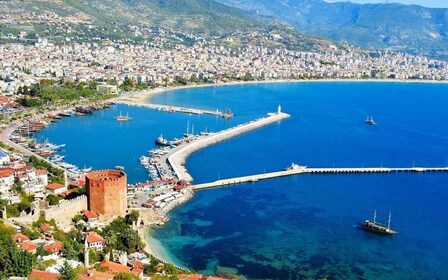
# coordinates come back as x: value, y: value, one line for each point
x: 40, y: 251
x: 67, y: 272
x: 93, y: 256
x: 53, y: 199
x: 131, y: 217
x: 125, y: 276
x: 13, y: 262
x: 68, y: 251
x: 171, y: 270
x: 77, y: 218
x: 149, y: 269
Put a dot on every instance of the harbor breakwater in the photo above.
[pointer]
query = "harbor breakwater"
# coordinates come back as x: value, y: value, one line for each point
x: 178, y: 158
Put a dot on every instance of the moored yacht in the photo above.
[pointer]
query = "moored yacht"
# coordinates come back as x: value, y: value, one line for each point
x: 162, y: 141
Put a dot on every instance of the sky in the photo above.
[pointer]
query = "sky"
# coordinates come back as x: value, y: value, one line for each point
x: 426, y: 3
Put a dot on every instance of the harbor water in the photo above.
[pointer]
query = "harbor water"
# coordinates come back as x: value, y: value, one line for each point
x: 304, y: 226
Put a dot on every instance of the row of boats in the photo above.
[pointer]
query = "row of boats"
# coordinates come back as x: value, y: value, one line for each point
x: 58, y: 160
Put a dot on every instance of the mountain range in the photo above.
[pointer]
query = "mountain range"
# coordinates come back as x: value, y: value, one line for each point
x: 397, y: 27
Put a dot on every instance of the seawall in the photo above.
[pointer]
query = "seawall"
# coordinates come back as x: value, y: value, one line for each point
x: 178, y: 158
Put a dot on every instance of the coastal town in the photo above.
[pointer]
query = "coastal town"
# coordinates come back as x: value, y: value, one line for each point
x: 69, y: 222
x: 113, y: 63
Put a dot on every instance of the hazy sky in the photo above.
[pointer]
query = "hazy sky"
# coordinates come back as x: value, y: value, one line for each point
x: 426, y: 3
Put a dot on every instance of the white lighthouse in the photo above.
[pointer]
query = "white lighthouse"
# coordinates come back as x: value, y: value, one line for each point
x: 279, y: 109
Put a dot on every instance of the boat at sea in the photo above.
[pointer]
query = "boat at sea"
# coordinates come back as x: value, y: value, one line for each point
x: 294, y: 166
x: 374, y: 226
x: 370, y: 121
x: 123, y: 118
x: 162, y: 141
x: 227, y: 114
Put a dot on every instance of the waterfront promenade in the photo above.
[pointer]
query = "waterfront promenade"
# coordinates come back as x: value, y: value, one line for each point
x: 177, y: 159
x: 304, y: 170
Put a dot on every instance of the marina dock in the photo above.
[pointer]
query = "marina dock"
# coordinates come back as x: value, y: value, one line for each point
x: 304, y: 170
x: 4, y: 136
x: 169, y: 108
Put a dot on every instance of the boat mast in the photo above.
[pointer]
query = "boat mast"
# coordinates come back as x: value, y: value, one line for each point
x: 374, y: 216
x: 388, y: 223
x: 188, y: 126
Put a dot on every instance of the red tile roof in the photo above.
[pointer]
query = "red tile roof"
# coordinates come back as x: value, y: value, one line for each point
x: 89, y: 215
x: 94, y: 237
x: 28, y: 246
x: 114, y: 267
x: 53, y: 247
x: 97, y: 275
x: 20, y: 237
x: 6, y: 172
x: 194, y: 277
x: 38, y: 274
x: 67, y: 193
x: 23, y: 169
x: 55, y: 186
x: 78, y: 183
x: 41, y: 172
x: 45, y: 227
x: 137, y: 264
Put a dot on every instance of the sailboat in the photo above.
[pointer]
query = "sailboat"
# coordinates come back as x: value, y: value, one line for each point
x: 123, y: 118
x: 370, y: 121
x: 374, y: 226
x: 227, y: 114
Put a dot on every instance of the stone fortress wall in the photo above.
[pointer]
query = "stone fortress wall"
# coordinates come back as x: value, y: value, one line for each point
x: 66, y: 209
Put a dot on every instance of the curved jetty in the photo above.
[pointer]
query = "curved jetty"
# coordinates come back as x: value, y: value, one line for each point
x: 177, y: 159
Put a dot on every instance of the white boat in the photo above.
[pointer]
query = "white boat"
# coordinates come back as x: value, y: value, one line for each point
x: 370, y: 121
x: 123, y: 118
x: 162, y: 141
x: 86, y: 170
x: 56, y: 158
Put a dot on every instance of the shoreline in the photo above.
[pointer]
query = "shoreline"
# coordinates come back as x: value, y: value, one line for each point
x: 152, y: 245
x: 143, y: 97
x: 154, y: 248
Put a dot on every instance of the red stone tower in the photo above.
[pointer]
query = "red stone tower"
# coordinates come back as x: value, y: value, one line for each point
x: 106, y: 192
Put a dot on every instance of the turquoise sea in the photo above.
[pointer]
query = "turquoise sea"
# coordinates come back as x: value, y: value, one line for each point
x: 300, y: 227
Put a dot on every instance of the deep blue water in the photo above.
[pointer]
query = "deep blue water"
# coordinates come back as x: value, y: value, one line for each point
x: 300, y: 227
